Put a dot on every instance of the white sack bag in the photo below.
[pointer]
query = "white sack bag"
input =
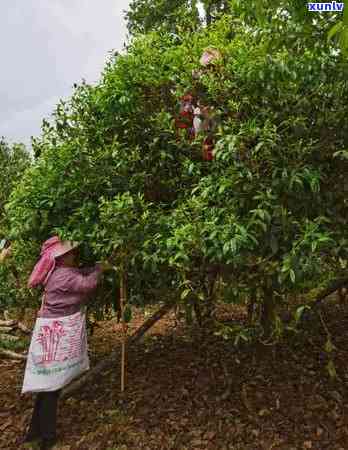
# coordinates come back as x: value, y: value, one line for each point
x: 58, y: 353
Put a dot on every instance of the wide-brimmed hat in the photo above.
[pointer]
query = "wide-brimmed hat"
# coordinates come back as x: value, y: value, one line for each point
x: 51, y: 249
x: 64, y: 247
x: 210, y: 55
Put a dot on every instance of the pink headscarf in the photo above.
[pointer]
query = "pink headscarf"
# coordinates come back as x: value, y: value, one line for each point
x: 50, y: 250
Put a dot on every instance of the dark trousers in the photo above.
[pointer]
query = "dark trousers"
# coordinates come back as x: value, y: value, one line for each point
x: 44, y: 419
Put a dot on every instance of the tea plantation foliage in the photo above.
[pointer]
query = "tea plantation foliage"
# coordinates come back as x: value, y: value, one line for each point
x: 267, y: 219
x: 14, y: 159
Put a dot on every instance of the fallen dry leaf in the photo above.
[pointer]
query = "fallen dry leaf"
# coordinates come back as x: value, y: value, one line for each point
x: 6, y: 424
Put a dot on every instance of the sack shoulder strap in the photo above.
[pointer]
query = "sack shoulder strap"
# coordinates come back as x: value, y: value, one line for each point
x: 43, y: 299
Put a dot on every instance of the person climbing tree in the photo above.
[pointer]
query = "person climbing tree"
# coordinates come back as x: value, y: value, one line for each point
x: 204, y: 123
x: 184, y: 120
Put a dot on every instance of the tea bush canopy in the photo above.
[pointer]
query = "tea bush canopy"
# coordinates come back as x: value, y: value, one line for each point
x: 14, y: 160
x: 268, y: 214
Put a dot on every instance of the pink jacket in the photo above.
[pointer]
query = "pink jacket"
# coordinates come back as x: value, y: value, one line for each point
x: 67, y: 289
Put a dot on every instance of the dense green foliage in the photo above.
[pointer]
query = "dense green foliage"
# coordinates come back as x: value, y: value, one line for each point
x: 14, y: 159
x: 145, y: 16
x: 266, y: 218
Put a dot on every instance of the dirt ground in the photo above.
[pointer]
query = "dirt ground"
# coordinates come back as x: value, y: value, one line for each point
x: 188, y: 391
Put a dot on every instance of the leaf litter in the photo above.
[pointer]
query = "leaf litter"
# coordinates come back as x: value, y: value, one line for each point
x: 192, y: 391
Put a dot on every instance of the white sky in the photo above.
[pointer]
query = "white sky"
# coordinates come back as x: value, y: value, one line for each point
x: 45, y: 47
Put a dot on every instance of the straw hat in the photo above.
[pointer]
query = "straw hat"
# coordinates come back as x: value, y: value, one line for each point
x: 210, y: 55
x: 64, y: 247
x: 51, y: 249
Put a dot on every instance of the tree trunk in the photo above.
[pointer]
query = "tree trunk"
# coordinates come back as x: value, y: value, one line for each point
x: 209, y: 301
x: 251, y: 306
x: 198, y: 311
x: 105, y: 363
x: 268, y: 312
x: 342, y: 295
x: 208, y: 14
x: 194, y: 9
x: 208, y: 9
x: 225, y: 6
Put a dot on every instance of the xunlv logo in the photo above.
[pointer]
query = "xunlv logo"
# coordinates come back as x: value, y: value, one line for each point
x: 333, y: 6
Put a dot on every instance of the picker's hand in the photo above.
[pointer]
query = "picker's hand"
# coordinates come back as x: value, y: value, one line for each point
x: 105, y: 266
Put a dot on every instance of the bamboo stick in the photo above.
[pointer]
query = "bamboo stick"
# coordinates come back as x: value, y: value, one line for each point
x: 115, y: 354
x: 123, y: 300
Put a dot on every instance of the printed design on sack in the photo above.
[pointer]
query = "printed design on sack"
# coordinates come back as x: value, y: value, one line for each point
x: 57, y: 370
x: 58, y: 353
x: 49, y: 338
x: 59, y: 343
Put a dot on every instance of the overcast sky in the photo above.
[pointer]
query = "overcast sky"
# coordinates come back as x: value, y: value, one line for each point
x: 45, y: 47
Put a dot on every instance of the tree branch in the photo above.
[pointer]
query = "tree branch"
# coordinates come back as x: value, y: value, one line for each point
x: 333, y: 287
x: 105, y: 363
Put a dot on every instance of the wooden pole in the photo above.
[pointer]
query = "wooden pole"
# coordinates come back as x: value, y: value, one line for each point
x: 115, y: 354
x: 123, y: 302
